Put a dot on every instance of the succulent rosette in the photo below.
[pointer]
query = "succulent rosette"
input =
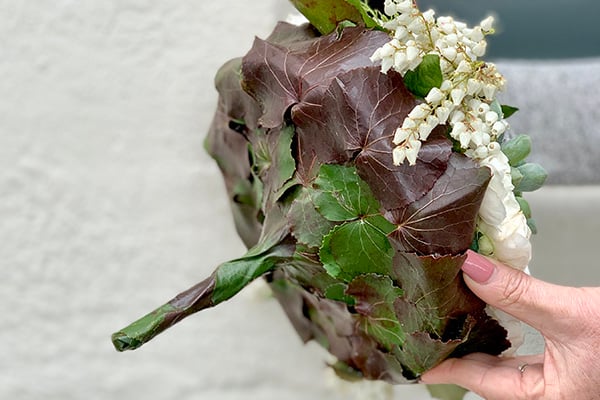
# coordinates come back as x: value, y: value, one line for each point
x: 364, y: 153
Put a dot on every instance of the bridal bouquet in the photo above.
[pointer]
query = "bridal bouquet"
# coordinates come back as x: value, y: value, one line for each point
x: 364, y: 153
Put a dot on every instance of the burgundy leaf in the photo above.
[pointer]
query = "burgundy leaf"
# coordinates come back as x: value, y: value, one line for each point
x: 238, y: 106
x: 227, y: 142
x: 397, y: 186
x: 330, y: 323
x: 436, y: 300
x: 443, y: 221
x: 356, y: 119
x: 421, y: 352
x: 281, y: 73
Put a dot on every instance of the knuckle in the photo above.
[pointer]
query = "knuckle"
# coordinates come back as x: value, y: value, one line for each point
x: 533, y: 392
x: 515, y: 287
x: 532, y: 386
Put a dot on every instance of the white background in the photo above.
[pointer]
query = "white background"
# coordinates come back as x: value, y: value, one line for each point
x: 109, y: 206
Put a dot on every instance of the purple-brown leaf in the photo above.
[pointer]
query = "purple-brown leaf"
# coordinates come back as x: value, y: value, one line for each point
x: 443, y: 221
x: 279, y: 75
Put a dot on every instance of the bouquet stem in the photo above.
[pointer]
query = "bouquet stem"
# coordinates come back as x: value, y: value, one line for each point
x: 196, y: 298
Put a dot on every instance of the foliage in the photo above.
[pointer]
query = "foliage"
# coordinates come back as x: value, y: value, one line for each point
x: 364, y: 256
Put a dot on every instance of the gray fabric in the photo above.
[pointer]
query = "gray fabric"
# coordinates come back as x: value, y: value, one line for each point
x: 559, y: 105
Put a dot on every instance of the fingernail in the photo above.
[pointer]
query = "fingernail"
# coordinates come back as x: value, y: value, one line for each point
x: 478, y: 267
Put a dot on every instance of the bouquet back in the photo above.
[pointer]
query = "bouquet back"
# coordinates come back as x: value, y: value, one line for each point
x: 359, y: 220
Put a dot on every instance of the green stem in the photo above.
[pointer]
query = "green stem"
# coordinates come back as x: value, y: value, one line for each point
x: 196, y: 298
x: 227, y: 280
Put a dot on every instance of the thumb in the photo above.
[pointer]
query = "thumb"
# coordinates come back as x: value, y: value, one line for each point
x: 539, y: 304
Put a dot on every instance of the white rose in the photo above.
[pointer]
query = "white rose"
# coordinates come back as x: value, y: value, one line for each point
x: 499, y: 202
x: 510, y: 240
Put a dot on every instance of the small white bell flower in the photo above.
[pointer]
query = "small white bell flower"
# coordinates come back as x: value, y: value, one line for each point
x: 435, y: 96
x: 487, y: 25
x: 398, y: 155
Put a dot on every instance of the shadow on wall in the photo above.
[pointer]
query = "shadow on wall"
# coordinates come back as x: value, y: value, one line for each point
x: 539, y: 29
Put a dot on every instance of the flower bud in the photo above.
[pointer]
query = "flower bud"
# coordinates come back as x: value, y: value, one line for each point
x: 498, y: 128
x: 491, y: 117
x: 457, y: 116
x: 398, y: 155
x: 419, y: 112
x: 401, y: 135
x: 412, y: 52
x: 486, y: 247
x: 435, y: 96
x: 442, y: 113
x: 487, y: 24
x: 463, y: 67
x: 476, y: 34
x: 409, y: 123
x: 457, y: 96
x: 479, y: 49
x: 449, y: 53
x: 474, y: 87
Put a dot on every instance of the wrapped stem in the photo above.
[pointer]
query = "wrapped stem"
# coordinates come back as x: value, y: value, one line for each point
x: 196, y: 298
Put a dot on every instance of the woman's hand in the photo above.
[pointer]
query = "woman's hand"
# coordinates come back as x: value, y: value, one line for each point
x: 569, y: 320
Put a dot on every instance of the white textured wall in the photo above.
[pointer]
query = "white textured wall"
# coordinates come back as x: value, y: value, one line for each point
x: 109, y: 206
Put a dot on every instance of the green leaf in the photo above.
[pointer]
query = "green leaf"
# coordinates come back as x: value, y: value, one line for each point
x: 307, y: 224
x: 326, y: 14
x: 346, y: 372
x: 517, y: 149
x: 358, y: 247
x: 497, y: 108
x: 534, y: 176
x: 447, y: 392
x: 340, y: 194
x: 516, y: 176
x: 375, y: 296
x: 233, y: 276
x: 272, y: 161
x: 532, y: 225
x: 524, y: 205
x: 366, y: 12
x: 508, y: 110
x: 227, y: 280
x: 422, y: 352
x: 284, y: 164
x: 338, y: 292
x: 425, y: 77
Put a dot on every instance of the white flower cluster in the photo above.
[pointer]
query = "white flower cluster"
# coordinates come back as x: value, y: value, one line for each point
x: 466, y: 102
x: 468, y: 89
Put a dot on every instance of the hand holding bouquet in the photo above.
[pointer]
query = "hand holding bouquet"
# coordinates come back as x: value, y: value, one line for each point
x: 364, y: 154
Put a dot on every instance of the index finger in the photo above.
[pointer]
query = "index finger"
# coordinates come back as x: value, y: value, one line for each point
x: 540, y: 304
x: 489, y: 380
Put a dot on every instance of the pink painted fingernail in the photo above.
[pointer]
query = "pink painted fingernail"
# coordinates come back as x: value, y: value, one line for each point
x: 478, y: 267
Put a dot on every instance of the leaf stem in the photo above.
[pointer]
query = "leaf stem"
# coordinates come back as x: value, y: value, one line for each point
x: 196, y: 298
